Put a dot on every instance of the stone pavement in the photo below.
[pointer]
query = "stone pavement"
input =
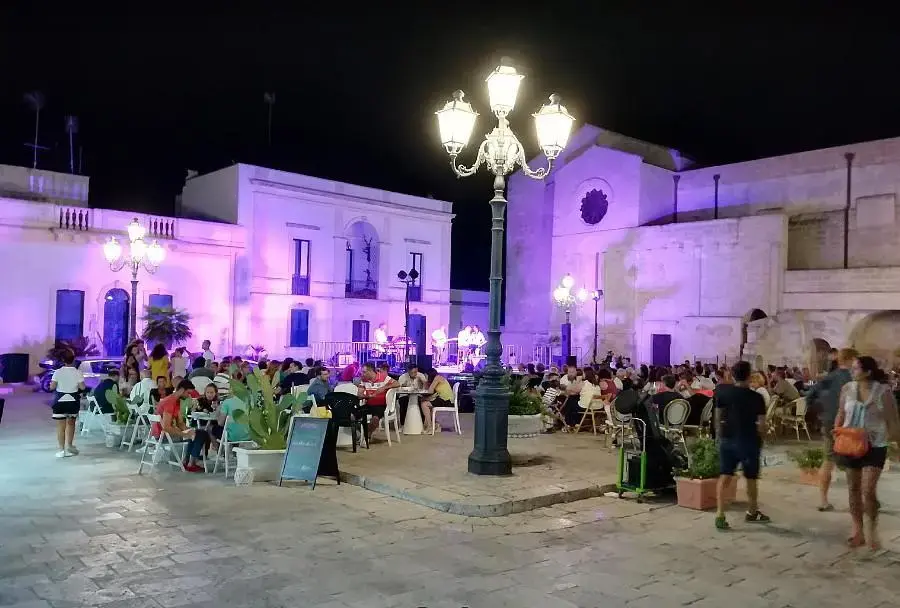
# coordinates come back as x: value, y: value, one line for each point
x: 432, y: 471
x: 86, y: 531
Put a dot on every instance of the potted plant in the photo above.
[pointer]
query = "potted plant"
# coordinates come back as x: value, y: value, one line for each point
x: 809, y: 461
x: 696, y: 486
x: 118, y: 427
x: 525, y: 413
x: 268, y: 420
x: 166, y: 325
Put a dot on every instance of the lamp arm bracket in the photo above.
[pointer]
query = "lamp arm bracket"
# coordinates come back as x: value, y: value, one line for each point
x: 118, y: 264
x: 463, y: 171
x: 539, y: 173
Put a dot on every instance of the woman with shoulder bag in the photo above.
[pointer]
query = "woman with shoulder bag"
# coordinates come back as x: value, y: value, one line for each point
x: 866, y: 421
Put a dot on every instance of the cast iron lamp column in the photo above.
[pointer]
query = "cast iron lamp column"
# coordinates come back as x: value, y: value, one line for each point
x: 595, y: 296
x: 408, y: 279
x: 139, y: 255
x: 566, y: 300
x: 501, y: 152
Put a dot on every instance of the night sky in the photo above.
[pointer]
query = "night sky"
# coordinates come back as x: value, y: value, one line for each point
x: 356, y: 90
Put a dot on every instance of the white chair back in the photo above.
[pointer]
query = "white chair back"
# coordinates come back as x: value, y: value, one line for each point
x: 456, y: 394
x: 800, y: 407
x: 300, y: 388
x: 200, y: 383
x: 676, y: 412
x: 391, y: 402
x: 347, y: 387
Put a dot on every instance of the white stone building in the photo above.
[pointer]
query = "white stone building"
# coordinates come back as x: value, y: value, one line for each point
x: 738, y: 260
x: 279, y: 260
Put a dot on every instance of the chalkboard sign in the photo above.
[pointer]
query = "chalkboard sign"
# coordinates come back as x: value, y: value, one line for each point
x: 309, y: 439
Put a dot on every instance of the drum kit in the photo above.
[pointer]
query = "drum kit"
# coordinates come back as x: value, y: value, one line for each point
x: 394, y: 349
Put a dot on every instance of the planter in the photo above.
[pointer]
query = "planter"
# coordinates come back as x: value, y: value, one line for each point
x: 525, y: 426
x: 700, y: 494
x: 809, y: 477
x: 257, y: 465
x: 115, y: 432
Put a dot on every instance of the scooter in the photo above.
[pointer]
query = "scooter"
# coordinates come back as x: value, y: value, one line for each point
x: 43, y: 379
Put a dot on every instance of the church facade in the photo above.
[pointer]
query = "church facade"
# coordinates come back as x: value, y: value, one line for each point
x: 775, y: 260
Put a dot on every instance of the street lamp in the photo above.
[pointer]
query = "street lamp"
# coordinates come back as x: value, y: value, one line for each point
x: 501, y: 152
x: 139, y: 255
x: 595, y: 296
x: 567, y: 300
x: 409, y: 278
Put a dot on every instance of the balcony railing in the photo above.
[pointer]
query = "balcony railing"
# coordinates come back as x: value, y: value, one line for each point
x: 299, y: 285
x: 74, y: 218
x: 361, y: 289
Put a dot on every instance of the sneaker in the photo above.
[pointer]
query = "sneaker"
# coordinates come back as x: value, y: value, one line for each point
x: 61, y: 454
x: 758, y: 517
x: 722, y: 523
x: 193, y: 468
x: 72, y: 451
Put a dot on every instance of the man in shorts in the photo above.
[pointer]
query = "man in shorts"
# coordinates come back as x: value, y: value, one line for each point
x: 742, y: 421
x: 827, y: 393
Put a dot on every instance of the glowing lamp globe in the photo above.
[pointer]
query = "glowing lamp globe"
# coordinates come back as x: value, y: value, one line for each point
x: 560, y: 294
x: 455, y: 122
x: 503, y: 88
x: 135, y: 230
x: 582, y: 295
x: 112, y: 251
x: 155, y: 253
x: 138, y: 250
x: 554, y: 124
x: 568, y: 282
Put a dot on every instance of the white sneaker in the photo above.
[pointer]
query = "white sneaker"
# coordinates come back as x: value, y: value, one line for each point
x: 61, y: 454
x: 71, y: 451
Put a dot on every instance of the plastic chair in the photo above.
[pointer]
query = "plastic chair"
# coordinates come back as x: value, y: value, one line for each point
x: 454, y: 409
x: 225, y: 446
x: 390, y: 415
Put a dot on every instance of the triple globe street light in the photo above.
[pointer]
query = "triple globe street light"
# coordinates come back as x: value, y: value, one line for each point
x: 501, y: 152
x: 566, y: 299
x: 139, y: 255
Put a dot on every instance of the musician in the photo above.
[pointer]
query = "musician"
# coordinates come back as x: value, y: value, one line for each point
x: 381, y: 339
x: 478, y: 341
x: 464, y: 344
x: 439, y: 344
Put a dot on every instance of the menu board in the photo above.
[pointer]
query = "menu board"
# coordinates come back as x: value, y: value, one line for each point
x: 305, y: 446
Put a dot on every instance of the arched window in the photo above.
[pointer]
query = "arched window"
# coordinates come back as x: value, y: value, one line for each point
x: 69, y: 314
x: 115, y: 321
x: 299, y: 328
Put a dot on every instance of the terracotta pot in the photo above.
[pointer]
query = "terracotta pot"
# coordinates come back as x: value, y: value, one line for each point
x: 809, y: 477
x: 700, y: 494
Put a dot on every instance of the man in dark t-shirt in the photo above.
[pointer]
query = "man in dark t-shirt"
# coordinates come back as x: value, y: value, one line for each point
x: 669, y: 394
x: 742, y: 418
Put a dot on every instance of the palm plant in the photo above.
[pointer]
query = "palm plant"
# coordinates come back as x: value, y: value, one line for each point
x: 81, y: 347
x: 165, y: 325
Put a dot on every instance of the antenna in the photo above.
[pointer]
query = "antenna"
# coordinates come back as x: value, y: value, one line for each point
x: 71, y: 129
x: 37, y: 101
x: 269, y: 99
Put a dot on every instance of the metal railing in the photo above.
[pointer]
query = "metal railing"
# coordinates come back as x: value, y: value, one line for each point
x: 361, y: 289
x: 551, y: 354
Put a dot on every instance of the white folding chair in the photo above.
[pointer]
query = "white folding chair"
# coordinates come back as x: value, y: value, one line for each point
x: 141, y: 428
x: 159, y: 447
x: 390, y: 414
x: 200, y: 383
x: 300, y: 388
x: 94, y: 415
x: 225, y: 446
x: 454, y: 409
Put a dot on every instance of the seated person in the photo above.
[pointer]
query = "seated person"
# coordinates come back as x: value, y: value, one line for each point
x: 293, y: 378
x: 552, y: 392
x: 99, y: 392
x: 209, y: 401
x: 173, y: 423
x: 413, y: 379
x: 319, y: 386
x: 202, y: 367
x: 237, y: 432
x: 441, y: 396
x: 161, y: 391
x: 140, y: 392
x: 668, y: 392
x: 784, y: 388
x: 126, y: 384
x: 374, y: 388
x: 589, y: 396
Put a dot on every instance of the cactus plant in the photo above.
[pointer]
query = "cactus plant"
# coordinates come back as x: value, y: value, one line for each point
x: 267, y: 418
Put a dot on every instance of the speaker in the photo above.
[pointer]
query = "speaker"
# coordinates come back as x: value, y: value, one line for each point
x: 417, y: 333
x: 423, y: 362
x: 360, y: 330
x: 566, y: 339
x: 14, y: 367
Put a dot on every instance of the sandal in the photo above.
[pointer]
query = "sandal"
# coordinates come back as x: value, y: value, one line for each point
x: 722, y: 523
x: 825, y: 508
x: 757, y: 517
x: 856, y: 541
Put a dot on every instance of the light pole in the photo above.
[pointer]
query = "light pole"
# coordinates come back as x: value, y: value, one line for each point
x: 566, y: 300
x: 139, y: 254
x: 595, y: 296
x: 408, y: 278
x: 502, y: 152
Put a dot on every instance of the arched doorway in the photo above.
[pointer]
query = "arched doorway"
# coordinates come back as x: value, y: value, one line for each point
x: 755, y: 314
x: 820, y: 356
x: 115, y: 322
x: 878, y: 335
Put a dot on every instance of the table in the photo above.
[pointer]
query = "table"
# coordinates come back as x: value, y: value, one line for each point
x: 413, y: 423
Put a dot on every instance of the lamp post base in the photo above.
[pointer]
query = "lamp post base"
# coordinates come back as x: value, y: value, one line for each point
x: 490, y: 456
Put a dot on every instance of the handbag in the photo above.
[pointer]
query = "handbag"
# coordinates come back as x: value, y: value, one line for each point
x: 852, y: 440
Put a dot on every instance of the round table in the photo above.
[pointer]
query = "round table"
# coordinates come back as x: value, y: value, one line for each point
x: 413, y: 423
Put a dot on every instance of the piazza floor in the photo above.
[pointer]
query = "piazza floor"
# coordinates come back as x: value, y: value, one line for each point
x: 86, y: 531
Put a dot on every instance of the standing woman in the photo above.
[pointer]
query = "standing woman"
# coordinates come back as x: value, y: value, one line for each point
x: 867, y: 412
x: 131, y: 367
x: 68, y: 383
x: 159, y: 362
x: 179, y: 363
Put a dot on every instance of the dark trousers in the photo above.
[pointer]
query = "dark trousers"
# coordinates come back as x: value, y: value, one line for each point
x: 198, y: 443
x: 571, y: 411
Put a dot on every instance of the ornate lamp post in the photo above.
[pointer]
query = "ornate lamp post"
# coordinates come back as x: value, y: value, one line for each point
x: 501, y: 152
x: 596, y: 295
x: 408, y: 278
x: 567, y: 300
x: 139, y: 255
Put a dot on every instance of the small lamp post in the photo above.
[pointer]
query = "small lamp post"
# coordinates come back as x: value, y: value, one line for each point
x: 567, y: 300
x: 501, y: 152
x: 139, y: 255
x: 409, y: 279
x: 596, y: 295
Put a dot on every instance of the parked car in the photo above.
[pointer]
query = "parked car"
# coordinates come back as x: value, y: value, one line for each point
x: 94, y: 369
